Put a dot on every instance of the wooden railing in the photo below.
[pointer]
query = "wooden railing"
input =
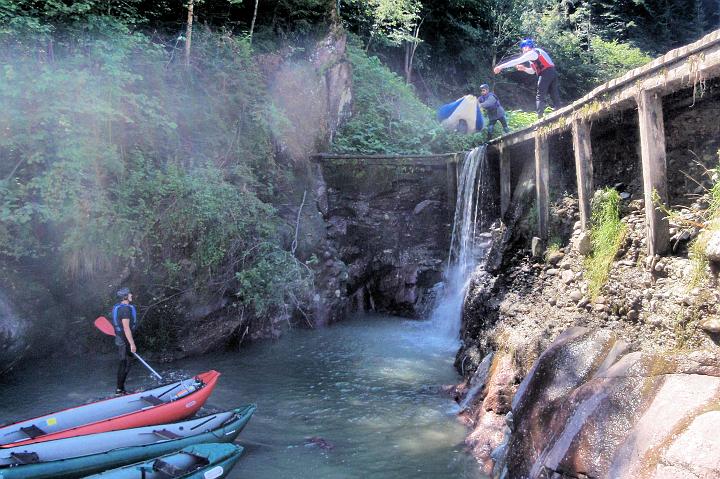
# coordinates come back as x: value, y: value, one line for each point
x: 641, y: 88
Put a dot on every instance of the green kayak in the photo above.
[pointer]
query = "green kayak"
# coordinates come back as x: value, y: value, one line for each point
x: 80, y: 456
x: 202, y: 461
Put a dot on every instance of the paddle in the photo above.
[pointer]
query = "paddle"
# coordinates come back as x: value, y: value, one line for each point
x: 103, y: 324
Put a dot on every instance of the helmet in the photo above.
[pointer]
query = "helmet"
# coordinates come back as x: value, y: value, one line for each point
x: 485, y: 86
x: 123, y: 293
x: 527, y: 42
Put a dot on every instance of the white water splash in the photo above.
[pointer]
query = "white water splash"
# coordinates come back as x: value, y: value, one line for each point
x: 466, y: 245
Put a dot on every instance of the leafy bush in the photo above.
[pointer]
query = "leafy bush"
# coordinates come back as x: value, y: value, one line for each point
x: 607, y: 233
x: 116, y: 157
x: 387, y: 116
x: 272, y: 278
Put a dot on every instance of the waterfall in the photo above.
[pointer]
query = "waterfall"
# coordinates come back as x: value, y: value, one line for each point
x: 467, y: 244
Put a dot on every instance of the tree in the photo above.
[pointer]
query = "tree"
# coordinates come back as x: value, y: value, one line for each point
x: 410, y: 48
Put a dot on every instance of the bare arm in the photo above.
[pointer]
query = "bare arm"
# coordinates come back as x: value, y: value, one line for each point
x: 128, y: 334
x: 528, y: 56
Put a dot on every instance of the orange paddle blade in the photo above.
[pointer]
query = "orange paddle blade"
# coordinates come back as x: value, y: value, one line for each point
x: 104, y: 325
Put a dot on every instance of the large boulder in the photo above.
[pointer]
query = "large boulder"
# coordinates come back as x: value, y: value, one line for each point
x: 587, y: 409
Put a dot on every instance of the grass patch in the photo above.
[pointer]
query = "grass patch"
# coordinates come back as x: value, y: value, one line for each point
x: 607, y: 235
x: 698, y: 259
x: 697, y: 248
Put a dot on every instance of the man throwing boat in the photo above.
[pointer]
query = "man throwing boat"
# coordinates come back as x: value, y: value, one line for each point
x: 541, y: 65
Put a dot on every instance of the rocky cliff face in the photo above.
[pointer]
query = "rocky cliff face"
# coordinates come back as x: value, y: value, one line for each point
x: 620, y: 386
x: 388, y: 226
x: 561, y: 384
x: 588, y: 408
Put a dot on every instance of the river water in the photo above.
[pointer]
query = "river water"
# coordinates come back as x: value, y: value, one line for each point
x: 369, y: 387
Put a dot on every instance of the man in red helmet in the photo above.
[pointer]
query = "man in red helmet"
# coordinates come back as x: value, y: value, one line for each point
x: 541, y: 65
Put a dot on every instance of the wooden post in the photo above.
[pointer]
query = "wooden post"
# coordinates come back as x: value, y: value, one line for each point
x: 652, y: 151
x: 505, y: 179
x: 583, y: 168
x: 542, y: 176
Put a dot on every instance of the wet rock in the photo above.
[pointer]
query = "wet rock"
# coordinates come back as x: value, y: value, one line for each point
x: 570, y: 360
x: 317, y: 441
x: 501, y: 385
x: 490, y: 420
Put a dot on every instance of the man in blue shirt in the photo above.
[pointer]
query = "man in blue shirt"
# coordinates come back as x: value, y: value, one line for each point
x: 489, y: 102
x: 124, y: 319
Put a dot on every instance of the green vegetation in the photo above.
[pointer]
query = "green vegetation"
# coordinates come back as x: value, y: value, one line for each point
x: 116, y: 157
x: 697, y: 248
x: 455, y: 43
x: 607, y: 234
x: 584, y: 58
x: 387, y: 116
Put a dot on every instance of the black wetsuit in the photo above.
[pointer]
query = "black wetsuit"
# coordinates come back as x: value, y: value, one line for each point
x: 123, y: 347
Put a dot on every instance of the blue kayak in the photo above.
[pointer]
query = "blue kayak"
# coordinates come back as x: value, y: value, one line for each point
x: 202, y: 461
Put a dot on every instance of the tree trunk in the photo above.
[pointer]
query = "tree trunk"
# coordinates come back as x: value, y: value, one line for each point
x: 334, y: 14
x: 252, y: 24
x: 408, y: 67
x: 410, y: 49
x: 188, y: 32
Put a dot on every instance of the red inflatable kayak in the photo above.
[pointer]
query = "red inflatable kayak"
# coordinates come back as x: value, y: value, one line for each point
x: 164, y: 404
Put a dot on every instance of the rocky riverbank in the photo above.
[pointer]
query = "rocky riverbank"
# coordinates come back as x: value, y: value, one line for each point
x: 625, y: 384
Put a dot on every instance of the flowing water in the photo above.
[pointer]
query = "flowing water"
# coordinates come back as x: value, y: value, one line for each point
x: 368, y: 387
x: 467, y: 246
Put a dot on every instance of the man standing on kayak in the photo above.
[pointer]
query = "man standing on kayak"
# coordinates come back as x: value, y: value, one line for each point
x: 541, y: 65
x: 124, y: 319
